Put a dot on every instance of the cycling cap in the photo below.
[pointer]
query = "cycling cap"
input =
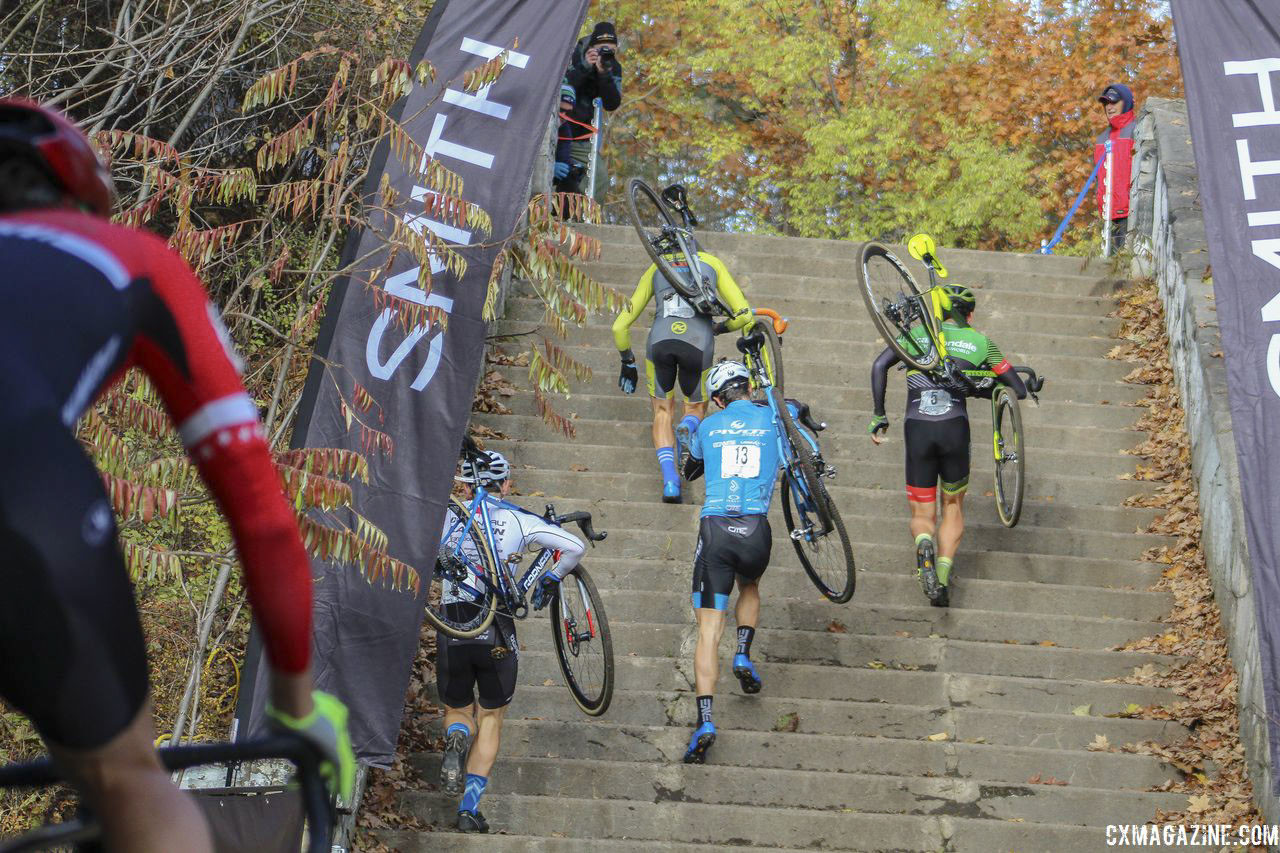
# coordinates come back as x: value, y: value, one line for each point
x: 490, y: 467
x: 726, y: 373
x: 962, y: 298
x: 59, y: 147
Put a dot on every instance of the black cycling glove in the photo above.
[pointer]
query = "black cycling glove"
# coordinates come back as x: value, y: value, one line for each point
x: 628, y: 376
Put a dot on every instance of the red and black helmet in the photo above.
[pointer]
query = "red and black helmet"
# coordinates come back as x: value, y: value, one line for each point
x: 47, y: 137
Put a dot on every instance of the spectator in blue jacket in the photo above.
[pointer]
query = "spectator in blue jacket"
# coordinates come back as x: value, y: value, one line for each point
x: 566, y: 174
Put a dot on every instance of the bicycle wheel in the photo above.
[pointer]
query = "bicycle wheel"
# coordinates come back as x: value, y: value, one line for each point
x: 828, y: 561
x: 662, y: 239
x: 1011, y: 461
x: 897, y: 305
x: 583, y: 645
x: 772, y: 353
x: 827, y: 557
x: 461, y: 562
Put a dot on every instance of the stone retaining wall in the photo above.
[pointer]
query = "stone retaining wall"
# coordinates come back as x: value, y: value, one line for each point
x: 1167, y: 229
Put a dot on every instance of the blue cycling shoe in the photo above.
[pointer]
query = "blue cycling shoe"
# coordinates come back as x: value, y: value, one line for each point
x: 747, y: 675
x: 703, y: 736
x: 671, y: 491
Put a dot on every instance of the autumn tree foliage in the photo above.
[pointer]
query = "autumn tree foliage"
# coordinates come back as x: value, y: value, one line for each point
x: 973, y: 119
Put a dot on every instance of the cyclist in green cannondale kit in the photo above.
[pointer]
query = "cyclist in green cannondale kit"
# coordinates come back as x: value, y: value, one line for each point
x: 936, y: 435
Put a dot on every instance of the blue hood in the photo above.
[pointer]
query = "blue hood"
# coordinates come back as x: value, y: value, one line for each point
x: 1126, y: 96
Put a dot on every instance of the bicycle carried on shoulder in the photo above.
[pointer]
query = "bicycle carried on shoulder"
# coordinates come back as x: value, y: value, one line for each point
x: 671, y: 246
x: 814, y: 524
x: 83, y: 833
x: 468, y: 563
x: 898, y: 307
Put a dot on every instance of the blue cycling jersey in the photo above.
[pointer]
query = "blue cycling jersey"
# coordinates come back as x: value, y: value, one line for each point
x: 739, y: 449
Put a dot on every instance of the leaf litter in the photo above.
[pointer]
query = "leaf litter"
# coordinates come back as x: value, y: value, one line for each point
x: 1211, y: 758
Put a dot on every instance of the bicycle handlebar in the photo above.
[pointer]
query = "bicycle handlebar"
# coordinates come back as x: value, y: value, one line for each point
x: 1034, y: 383
x: 315, y: 795
x: 780, y: 323
x: 583, y: 520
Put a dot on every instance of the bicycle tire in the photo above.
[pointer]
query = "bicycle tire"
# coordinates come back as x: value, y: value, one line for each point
x: 870, y: 286
x: 845, y: 592
x: 464, y: 629
x: 596, y: 703
x: 1008, y: 495
x: 774, y: 343
x: 640, y: 194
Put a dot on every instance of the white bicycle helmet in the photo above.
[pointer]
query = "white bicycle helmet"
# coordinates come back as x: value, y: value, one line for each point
x: 724, y: 373
x: 492, y: 468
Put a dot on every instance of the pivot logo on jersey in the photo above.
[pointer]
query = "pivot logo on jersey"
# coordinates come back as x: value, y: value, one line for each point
x: 737, y: 424
x: 679, y: 328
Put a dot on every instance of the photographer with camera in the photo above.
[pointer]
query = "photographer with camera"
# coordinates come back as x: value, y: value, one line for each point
x: 594, y: 72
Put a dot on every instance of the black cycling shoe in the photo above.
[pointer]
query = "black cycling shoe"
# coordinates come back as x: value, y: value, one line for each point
x: 472, y: 822
x: 452, y: 767
x: 927, y: 572
x: 943, y: 599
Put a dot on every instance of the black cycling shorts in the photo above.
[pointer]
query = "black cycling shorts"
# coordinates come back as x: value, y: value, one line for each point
x: 728, y: 548
x: 671, y: 361
x: 72, y: 654
x: 462, y: 666
x: 936, y: 449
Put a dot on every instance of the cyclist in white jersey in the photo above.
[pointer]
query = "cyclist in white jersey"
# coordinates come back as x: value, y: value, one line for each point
x: 488, y: 663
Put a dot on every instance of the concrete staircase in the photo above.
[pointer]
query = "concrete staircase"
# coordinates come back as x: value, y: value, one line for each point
x: 1014, y: 674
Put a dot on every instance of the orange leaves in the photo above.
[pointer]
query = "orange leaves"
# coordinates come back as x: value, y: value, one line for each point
x: 308, y: 490
x: 132, y: 500
x: 327, y: 461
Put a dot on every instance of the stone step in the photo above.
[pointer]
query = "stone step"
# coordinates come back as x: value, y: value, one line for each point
x: 884, y: 582
x: 996, y: 322
x: 869, y: 718
x: 592, y: 431
x: 601, y: 740
x: 713, y: 784
x: 661, y: 823
x: 866, y: 501
x: 763, y: 278
x: 841, y: 406
x: 779, y: 647
x: 882, y: 473
x: 1019, y: 346
x: 799, y: 606
x: 502, y: 839
x: 643, y: 542
x: 847, y: 452
x: 799, y: 681
x: 1068, y: 377
x: 622, y: 238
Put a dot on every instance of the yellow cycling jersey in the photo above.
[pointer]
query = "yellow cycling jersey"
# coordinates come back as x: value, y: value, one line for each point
x: 730, y: 294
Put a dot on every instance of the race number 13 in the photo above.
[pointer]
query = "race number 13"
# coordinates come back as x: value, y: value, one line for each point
x: 739, y: 460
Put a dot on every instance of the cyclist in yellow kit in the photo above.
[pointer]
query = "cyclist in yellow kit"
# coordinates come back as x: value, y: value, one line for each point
x: 679, y: 350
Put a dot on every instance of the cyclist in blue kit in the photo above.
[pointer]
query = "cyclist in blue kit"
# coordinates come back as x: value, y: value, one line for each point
x: 737, y: 448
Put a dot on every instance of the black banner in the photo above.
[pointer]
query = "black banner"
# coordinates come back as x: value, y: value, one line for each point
x: 1230, y: 56
x: 422, y: 381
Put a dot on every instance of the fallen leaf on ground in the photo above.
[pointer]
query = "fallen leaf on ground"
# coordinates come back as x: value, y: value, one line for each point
x: 1099, y: 744
x: 938, y: 737
x: 1082, y: 710
x: 787, y: 722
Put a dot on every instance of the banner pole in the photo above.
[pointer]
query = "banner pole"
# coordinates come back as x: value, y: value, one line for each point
x: 595, y: 149
x: 1106, y: 216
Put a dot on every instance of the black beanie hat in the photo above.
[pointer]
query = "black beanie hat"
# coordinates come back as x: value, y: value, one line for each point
x: 604, y: 33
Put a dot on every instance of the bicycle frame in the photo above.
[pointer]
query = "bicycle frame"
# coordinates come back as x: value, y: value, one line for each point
x: 512, y: 602
x: 790, y: 461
